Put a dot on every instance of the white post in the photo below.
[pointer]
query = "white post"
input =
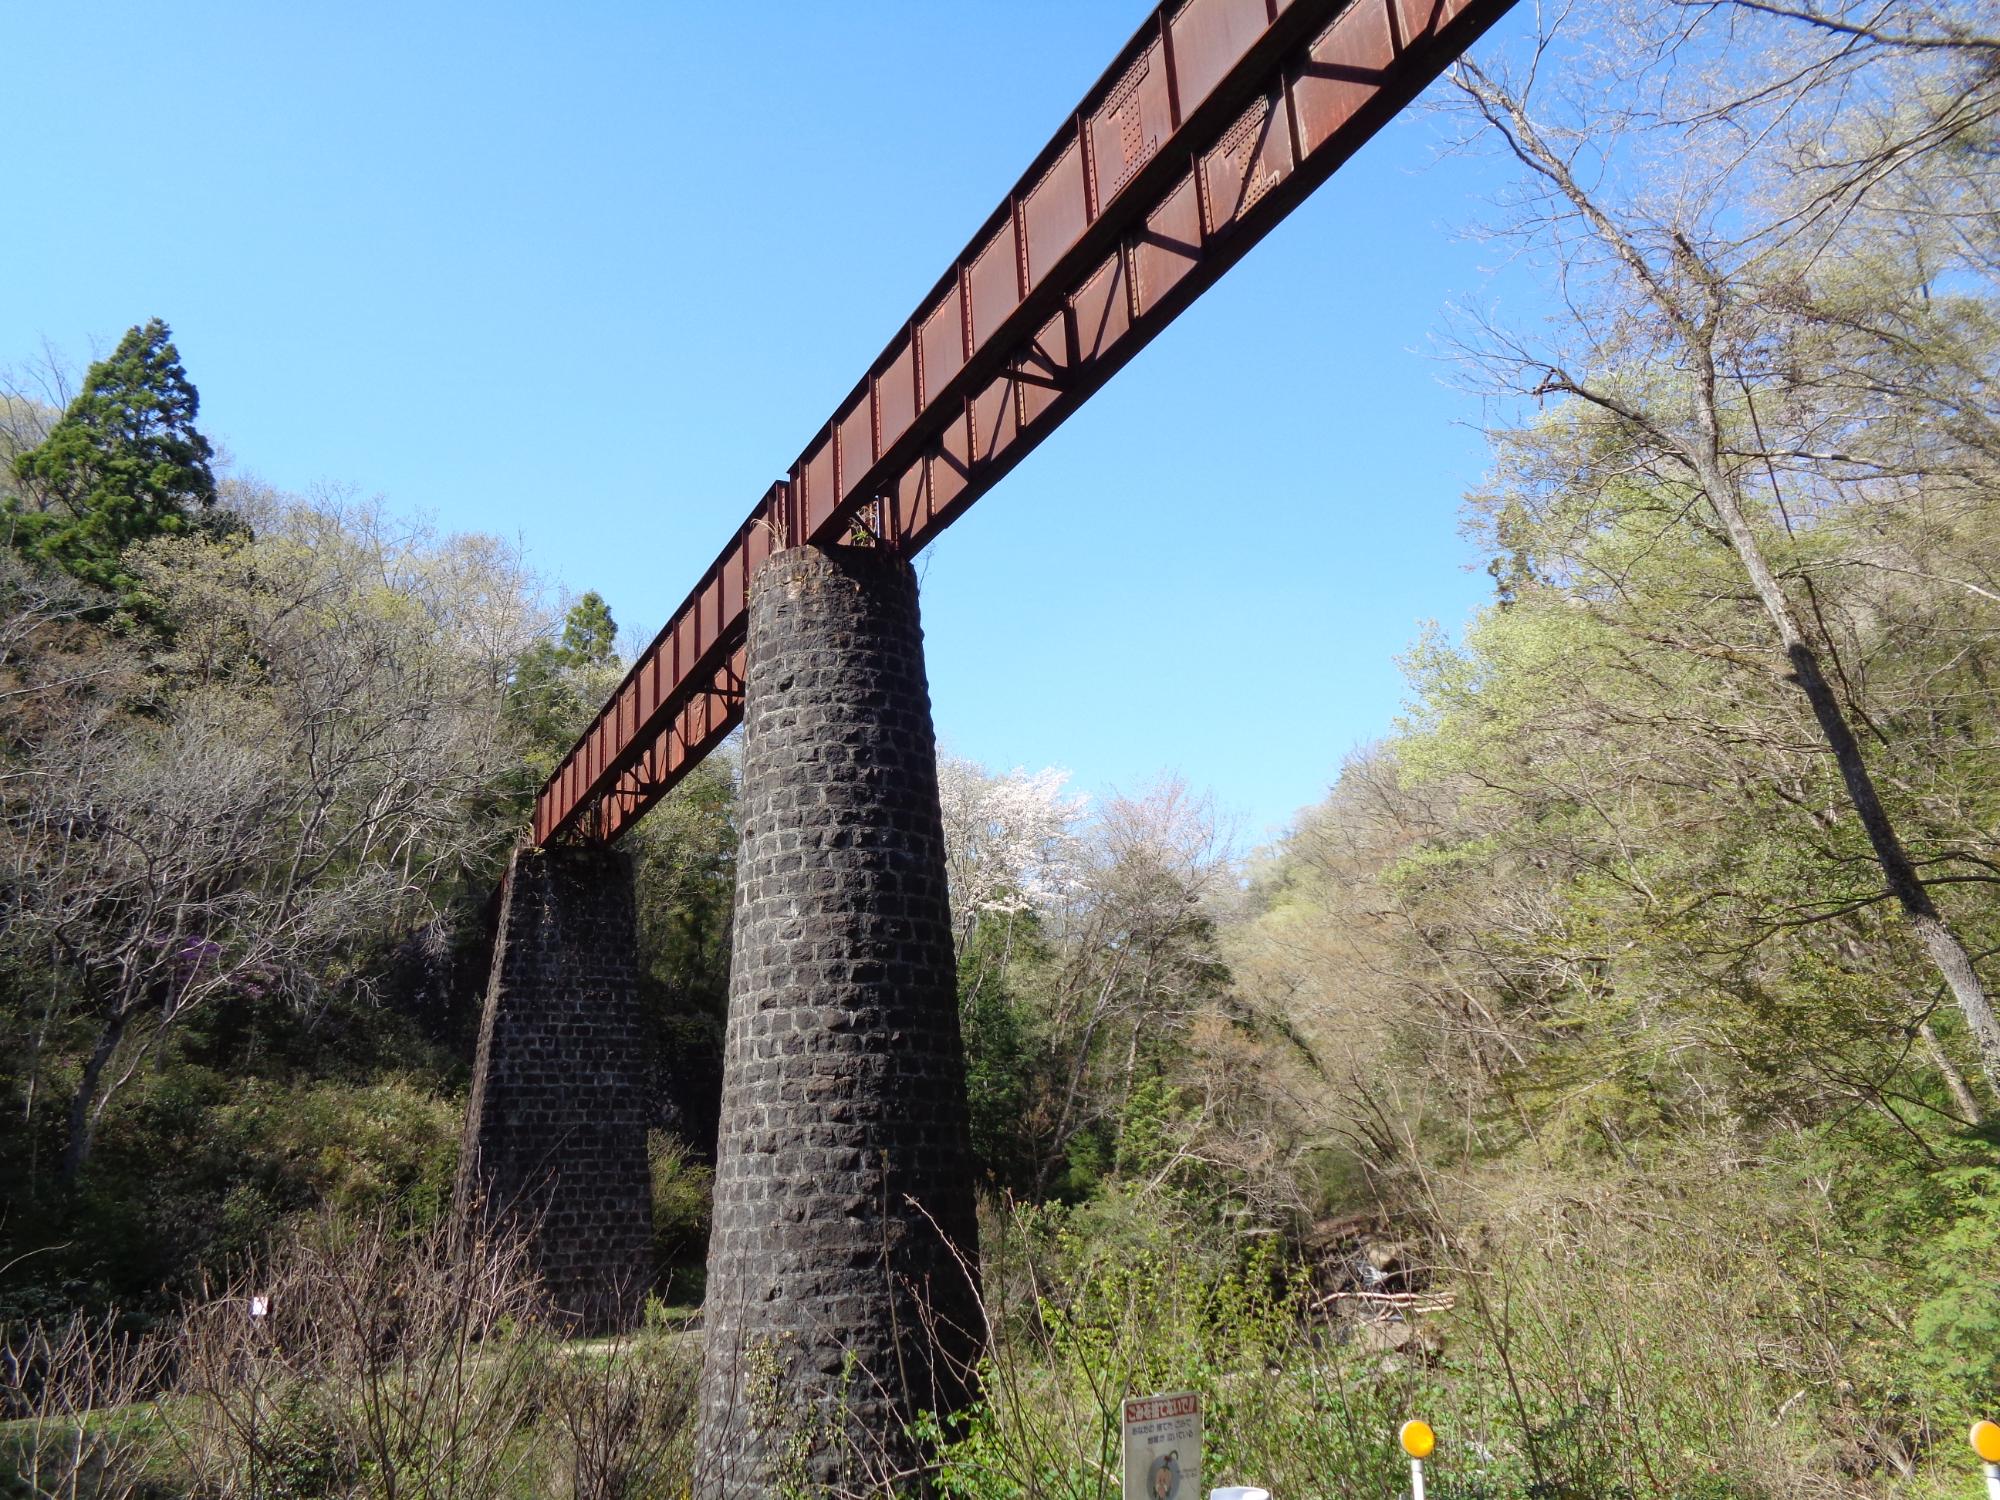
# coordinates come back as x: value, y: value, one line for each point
x: 1992, y: 1482
x: 1417, y: 1480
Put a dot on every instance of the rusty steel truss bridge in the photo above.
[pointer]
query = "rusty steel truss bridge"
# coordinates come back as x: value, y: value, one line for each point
x: 1212, y: 123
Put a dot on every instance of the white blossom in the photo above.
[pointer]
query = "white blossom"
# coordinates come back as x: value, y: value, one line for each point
x: 1011, y: 842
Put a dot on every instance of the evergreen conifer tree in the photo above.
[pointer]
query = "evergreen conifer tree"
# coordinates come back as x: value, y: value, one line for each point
x: 556, y: 683
x: 124, y: 463
x: 589, y: 634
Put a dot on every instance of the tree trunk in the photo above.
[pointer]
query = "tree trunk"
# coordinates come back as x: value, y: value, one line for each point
x: 1695, y: 320
x: 1059, y: 1143
x: 82, y: 1121
x: 1954, y: 1081
x: 1946, y: 953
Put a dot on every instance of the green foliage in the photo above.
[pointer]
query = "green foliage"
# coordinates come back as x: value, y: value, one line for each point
x: 1590, y: 969
x: 1581, y: 990
x: 301, y: 1455
x: 1673, y: 904
x: 384, y: 1147
x: 683, y: 1204
x: 1283, y: 1408
x: 1956, y: 1328
x: 557, y: 684
x: 999, y: 1048
x: 124, y: 464
x: 589, y: 634
x: 1151, y: 1128
x: 1903, y: 1264
x: 201, y: 1167
x: 685, y: 879
x: 1071, y: 1001
x: 216, y: 1046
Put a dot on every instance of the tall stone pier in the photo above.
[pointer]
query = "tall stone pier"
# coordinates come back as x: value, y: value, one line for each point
x: 841, y: 1293
x: 555, y: 1131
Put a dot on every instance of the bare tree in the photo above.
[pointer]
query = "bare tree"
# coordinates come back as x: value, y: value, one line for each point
x: 67, y: 1393
x: 1139, y: 954
x: 356, y: 1361
x: 313, y: 763
x: 1730, y: 365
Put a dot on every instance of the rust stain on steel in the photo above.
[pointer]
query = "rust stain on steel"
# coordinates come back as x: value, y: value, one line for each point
x: 1212, y: 123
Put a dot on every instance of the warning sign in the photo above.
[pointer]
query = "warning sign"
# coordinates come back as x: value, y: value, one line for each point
x: 1163, y: 1447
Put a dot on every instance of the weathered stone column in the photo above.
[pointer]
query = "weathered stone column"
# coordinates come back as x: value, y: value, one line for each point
x: 841, y: 1294
x: 555, y: 1130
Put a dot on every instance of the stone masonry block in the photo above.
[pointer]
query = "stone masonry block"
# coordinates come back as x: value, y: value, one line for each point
x: 555, y: 1131
x: 842, y: 1296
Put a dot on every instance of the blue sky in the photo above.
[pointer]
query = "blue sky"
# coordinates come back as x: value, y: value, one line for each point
x: 588, y: 276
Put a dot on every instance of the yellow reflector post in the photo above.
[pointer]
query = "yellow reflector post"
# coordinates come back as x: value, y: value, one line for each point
x: 1418, y: 1439
x: 1985, y: 1441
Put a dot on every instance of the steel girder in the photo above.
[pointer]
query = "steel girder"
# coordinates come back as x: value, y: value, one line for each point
x: 1214, y: 121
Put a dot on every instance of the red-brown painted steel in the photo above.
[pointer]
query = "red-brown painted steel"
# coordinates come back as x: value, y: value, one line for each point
x: 1213, y: 123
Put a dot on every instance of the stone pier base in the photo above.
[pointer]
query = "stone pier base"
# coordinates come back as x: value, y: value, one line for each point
x: 842, y: 1297
x: 555, y: 1131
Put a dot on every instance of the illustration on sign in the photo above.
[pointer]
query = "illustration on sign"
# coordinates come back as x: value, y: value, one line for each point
x: 1163, y: 1447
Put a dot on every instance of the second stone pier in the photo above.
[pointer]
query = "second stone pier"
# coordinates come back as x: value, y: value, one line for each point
x: 555, y: 1130
x: 842, y: 1296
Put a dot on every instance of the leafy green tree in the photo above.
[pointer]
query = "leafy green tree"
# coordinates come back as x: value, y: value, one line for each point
x: 1000, y: 1055
x: 685, y: 852
x: 589, y: 634
x: 1750, y: 362
x: 557, y: 684
x: 124, y: 464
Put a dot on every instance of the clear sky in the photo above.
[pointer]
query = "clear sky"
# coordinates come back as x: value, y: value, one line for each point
x: 589, y: 275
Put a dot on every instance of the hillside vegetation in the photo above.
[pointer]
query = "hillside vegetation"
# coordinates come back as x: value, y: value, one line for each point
x: 1604, y: 1070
